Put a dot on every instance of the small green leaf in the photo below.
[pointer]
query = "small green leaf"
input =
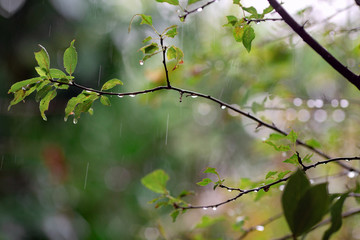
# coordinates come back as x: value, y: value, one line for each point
x: 42, y: 92
x: 232, y: 20
x: 292, y: 160
x: 175, y: 214
x: 150, y: 48
x: 69, y: 110
x: 18, y: 97
x: 24, y: 84
x: 251, y: 10
x: 313, y: 143
x: 70, y: 58
x: 279, y: 148
x: 307, y: 158
x: 85, y: 105
x: 248, y: 37
x: 105, y: 100
x: 238, y: 31
x: 192, y: 1
x: 111, y: 83
x: 146, y: 19
x: 44, y: 103
x: 43, y: 59
x: 292, y: 136
x: 172, y: 2
x: 267, y: 10
x: 336, y: 218
x: 156, y: 181
x: 211, y: 170
x: 270, y: 174
x: 282, y: 174
x: 41, y: 71
x: 147, y: 39
x: 204, y: 182
x: 57, y: 73
x: 177, y: 54
x: 276, y: 137
x: 172, y: 32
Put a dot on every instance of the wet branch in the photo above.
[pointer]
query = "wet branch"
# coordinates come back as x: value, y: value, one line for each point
x: 319, y: 49
x: 183, y: 16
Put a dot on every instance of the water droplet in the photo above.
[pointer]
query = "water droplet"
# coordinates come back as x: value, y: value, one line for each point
x: 256, y: 190
x: 260, y: 228
x: 199, y: 9
x: 223, y: 107
x: 205, y: 208
x: 297, y: 102
x: 132, y: 95
x: 214, y: 208
x: 347, y: 160
x: 75, y: 121
x: 194, y: 96
x: 229, y: 190
x: 351, y: 174
x: 344, y: 103
x: 281, y: 187
x: 23, y: 88
x: 141, y: 62
x: 311, y: 181
x: 120, y: 96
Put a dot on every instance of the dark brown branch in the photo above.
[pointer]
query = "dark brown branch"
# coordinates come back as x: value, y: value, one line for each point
x: 164, y: 61
x: 183, y: 17
x: 327, y: 56
x: 248, y: 21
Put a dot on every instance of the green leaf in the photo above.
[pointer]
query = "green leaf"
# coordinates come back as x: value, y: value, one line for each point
x: 292, y: 160
x: 172, y: 32
x: 292, y: 136
x: 251, y: 10
x: 105, y: 100
x: 44, y: 103
x: 276, y: 137
x: 146, y: 19
x: 156, y: 181
x: 172, y: 2
x: 270, y: 174
x: 111, y: 83
x: 311, y: 208
x: 24, y: 84
x: 43, y: 59
x: 307, y: 158
x: 279, y: 148
x: 313, y: 143
x: 57, y: 73
x: 248, y: 37
x: 177, y: 54
x: 42, y: 92
x: 267, y: 10
x: 193, y: 1
x: 204, y: 182
x: 211, y: 170
x: 72, y: 104
x: 85, y: 105
x: 282, y: 174
x: 41, y: 71
x: 336, y: 218
x: 18, y: 97
x: 70, y: 58
x: 232, y: 20
x: 175, y: 214
x: 296, y: 186
x: 150, y: 48
x: 147, y: 39
x: 238, y: 31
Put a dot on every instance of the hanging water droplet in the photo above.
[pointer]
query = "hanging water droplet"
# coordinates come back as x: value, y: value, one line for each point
x: 141, y: 62
x: 75, y: 121
x: 260, y: 228
x: 205, y: 208
x: 281, y: 187
x: 351, y: 174
x: 223, y: 107
x: 229, y: 190
x: 347, y: 160
x: 214, y: 208
x: 23, y: 88
x: 120, y: 96
x: 256, y: 190
x: 132, y: 95
x: 194, y: 96
x: 199, y: 9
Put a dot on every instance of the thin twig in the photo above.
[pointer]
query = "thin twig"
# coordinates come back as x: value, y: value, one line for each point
x: 183, y: 16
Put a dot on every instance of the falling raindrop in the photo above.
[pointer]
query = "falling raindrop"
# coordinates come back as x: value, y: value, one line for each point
x: 351, y: 174
x: 2, y: 162
x: 50, y: 30
x: 99, y: 78
x: 141, y: 62
x: 223, y: 107
x: 132, y: 95
x: 214, y: 208
x: 199, y: 9
x: 260, y: 228
x: 75, y: 121
x: 194, y: 96
x: 167, y: 129
x: 86, y: 175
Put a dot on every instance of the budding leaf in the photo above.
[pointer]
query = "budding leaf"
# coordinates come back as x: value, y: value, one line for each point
x: 111, y: 83
x: 44, y: 103
x: 204, y: 182
x: 156, y: 181
x: 172, y: 2
x: 70, y: 58
x: 43, y: 59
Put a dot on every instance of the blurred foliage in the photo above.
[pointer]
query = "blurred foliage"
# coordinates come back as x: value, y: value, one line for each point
x: 64, y: 181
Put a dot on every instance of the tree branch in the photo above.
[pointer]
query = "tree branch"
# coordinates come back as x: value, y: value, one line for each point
x: 327, y: 56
